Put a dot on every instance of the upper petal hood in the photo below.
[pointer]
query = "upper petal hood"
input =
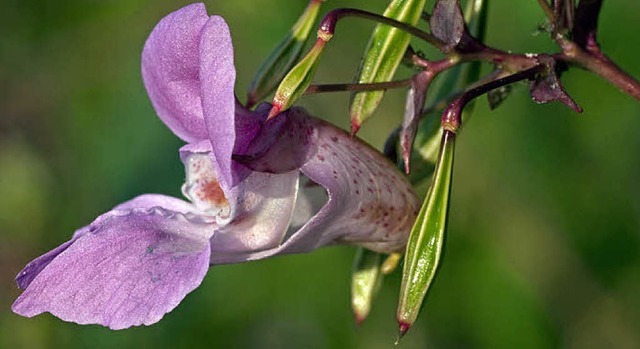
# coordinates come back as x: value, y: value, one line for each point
x: 170, y: 70
x: 188, y: 70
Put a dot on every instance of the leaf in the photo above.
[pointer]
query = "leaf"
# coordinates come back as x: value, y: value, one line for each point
x: 384, y: 53
x: 424, y: 247
x: 447, y: 22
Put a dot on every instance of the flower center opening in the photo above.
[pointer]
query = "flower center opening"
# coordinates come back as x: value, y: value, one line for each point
x: 202, y: 188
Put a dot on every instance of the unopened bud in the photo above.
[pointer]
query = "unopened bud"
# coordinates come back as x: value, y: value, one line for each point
x: 284, y: 56
x: 297, y: 80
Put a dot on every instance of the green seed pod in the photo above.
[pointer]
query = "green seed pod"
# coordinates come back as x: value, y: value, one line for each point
x: 365, y: 281
x: 284, y: 56
x: 384, y: 53
x: 424, y: 247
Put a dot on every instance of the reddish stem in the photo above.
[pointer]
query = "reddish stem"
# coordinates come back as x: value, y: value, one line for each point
x: 328, y: 23
x: 452, y: 115
x: 598, y: 63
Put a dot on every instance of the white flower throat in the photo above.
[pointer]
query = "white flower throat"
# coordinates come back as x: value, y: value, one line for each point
x: 202, y: 188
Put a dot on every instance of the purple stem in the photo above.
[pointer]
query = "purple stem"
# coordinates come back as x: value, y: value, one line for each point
x: 597, y: 62
x: 451, y: 117
x: 328, y: 24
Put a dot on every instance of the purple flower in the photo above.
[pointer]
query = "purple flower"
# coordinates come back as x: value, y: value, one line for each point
x: 136, y: 262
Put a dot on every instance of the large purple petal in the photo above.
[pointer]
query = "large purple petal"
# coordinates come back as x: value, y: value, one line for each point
x: 170, y: 70
x: 370, y: 203
x: 217, y: 78
x: 125, y: 270
x: 142, y: 202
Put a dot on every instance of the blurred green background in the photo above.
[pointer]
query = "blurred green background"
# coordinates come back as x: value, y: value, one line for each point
x: 543, y: 245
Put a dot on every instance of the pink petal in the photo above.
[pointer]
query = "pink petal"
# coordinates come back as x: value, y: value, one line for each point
x: 217, y: 79
x: 170, y: 70
x: 142, y: 202
x: 127, y: 271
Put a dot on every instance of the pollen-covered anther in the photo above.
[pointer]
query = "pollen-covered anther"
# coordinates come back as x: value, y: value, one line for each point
x: 202, y: 187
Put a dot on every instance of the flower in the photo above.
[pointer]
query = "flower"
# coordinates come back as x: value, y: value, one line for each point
x: 136, y: 262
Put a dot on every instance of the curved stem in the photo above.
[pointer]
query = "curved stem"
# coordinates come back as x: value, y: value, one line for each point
x: 451, y: 117
x: 328, y: 24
